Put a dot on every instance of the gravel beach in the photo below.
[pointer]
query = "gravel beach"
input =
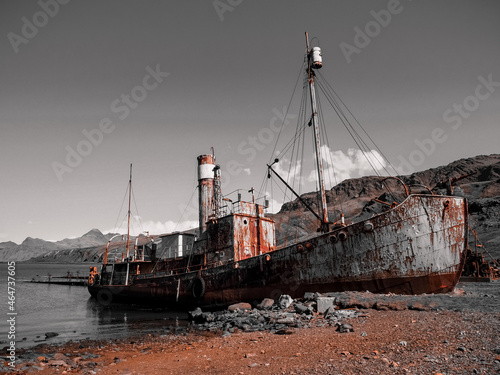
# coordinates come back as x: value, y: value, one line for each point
x: 455, y: 333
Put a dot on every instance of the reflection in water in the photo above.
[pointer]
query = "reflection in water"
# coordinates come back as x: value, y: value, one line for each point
x: 70, y: 312
x: 126, y: 319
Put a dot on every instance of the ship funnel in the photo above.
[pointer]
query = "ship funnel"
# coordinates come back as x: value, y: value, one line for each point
x: 206, y: 165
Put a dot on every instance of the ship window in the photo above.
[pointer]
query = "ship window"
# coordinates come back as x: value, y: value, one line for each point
x: 245, y: 221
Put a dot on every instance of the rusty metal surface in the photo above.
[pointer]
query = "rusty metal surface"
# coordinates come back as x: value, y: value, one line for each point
x: 416, y: 247
x: 241, y: 235
x: 205, y: 189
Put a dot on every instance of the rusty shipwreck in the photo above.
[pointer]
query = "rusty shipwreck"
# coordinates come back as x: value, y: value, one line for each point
x: 415, y: 246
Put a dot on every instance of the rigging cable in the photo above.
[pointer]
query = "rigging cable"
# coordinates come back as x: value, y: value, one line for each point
x: 282, y: 126
x: 359, y: 124
x: 139, y: 219
x: 287, y: 109
x: 329, y: 156
x: 121, y: 208
x: 364, y: 148
x: 301, y: 119
x: 355, y: 136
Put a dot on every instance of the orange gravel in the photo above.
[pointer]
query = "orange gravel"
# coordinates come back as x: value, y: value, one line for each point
x: 395, y: 342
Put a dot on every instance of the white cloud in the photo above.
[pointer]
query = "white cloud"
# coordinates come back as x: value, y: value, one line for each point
x: 342, y: 166
x: 169, y: 226
x: 154, y: 227
x: 274, y: 205
x: 247, y: 171
x: 286, y: 171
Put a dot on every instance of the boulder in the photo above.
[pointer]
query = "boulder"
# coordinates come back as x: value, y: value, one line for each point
x: 342, y: 328
x: 285, y: 301
x: 286, y: 320
x: 266, y: 304
x: 300, y: 308
x: 193, y: 315
x: 325, y: 303
x: 240, y: 306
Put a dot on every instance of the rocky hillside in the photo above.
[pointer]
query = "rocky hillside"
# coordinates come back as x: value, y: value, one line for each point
x: 477, y: 179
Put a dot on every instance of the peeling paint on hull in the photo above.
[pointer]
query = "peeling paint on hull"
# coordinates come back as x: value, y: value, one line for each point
x: 416, y: 247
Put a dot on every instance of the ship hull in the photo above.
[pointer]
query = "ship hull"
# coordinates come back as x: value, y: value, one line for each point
x: 416, y: 247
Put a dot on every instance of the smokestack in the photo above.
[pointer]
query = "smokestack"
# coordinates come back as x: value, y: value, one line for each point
x: 206, y: 165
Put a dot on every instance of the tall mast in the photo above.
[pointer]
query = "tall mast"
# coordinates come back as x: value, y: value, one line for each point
x: 317, y: 145
x: 129, y: 198
x: 128, y: 224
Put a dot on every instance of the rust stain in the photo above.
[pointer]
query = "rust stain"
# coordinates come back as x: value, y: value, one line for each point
x: 411, y: 248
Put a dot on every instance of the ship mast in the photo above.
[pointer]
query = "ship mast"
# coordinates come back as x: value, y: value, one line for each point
x: 128, y: 224
x: 311, y: 63
x: 129, y: 197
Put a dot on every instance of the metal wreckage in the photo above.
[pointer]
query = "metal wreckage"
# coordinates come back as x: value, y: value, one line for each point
x: 415, y: 246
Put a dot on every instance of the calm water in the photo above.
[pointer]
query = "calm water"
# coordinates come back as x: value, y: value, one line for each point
x: 69, y: 310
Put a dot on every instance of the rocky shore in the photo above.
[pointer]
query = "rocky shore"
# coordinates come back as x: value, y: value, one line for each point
x: 337, y: 333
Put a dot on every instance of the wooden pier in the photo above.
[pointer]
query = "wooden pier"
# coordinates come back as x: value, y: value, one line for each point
x: 61, y: 280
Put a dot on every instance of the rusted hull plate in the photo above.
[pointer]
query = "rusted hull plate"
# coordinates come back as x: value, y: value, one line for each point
x: 416, y: 247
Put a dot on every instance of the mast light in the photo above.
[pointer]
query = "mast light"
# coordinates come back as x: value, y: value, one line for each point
x: 316, y: 58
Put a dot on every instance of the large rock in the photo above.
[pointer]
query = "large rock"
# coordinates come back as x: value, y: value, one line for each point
x: 342, y: 328
x: 285, y: 301
x: 289, y: 320
x: 325, y: 303
x: 193, y: 315
x: 266, y: 304
x: 300, y: 308
x: 240, y: 306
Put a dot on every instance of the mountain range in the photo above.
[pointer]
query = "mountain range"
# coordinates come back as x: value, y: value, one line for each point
x: 36, y: 247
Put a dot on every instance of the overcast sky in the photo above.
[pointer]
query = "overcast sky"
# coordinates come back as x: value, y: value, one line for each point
x: 158, y: 83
